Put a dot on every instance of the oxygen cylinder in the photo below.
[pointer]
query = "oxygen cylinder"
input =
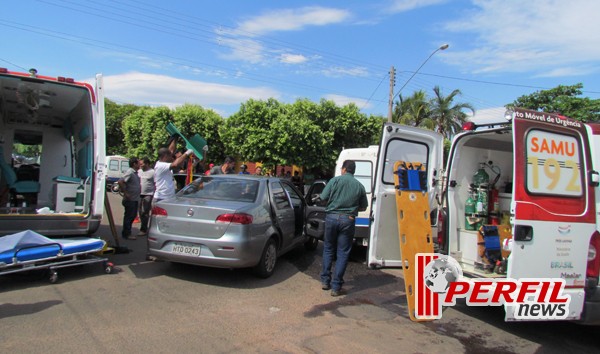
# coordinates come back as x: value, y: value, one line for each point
x: 469, y: 211
x: 481, y: 177
x: 481, y: 205
x: 79, y: 196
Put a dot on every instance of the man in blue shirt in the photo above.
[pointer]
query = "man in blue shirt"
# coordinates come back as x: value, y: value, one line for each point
x: 345, y: 197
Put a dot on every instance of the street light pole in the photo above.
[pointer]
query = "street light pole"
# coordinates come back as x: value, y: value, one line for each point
x: 442, y: 47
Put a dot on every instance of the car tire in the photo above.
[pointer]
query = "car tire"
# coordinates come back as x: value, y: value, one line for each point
x: 115, y: 188
x: 268, y: 260
x: 311, y: 244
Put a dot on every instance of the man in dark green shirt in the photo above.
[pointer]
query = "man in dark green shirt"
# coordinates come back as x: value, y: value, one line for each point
x: 345, y: 197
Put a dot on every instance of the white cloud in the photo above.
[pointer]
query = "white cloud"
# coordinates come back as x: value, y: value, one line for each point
x: 407, y: 5
x: 344, y: 100
x: 548, y: 37
x: 293, y: 58
x: 149, y: 89
x: 244, y: 49
x: 291, y: 20
x: 339, y: 71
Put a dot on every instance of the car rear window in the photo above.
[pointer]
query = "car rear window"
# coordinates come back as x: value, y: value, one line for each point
x: 233, y: 189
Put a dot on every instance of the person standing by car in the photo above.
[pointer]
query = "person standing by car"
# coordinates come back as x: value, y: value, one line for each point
x: 225, y: 169
x: 130, y: 185
x: 163, y: 171
x: 244, y: 170
x: 146, y: 174
x: 298, y: 181
x: 258, y: 171
x: 345, y: 197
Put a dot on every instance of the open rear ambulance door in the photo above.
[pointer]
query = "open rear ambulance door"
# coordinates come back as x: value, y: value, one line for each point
x: 100, y: 168
x: 398, y: 143
x: 553, y: 204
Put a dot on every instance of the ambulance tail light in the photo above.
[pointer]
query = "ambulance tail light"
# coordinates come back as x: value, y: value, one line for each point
x: 593, y: 264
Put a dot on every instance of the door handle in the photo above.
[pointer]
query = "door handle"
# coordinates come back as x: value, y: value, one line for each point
x: 523, y: 233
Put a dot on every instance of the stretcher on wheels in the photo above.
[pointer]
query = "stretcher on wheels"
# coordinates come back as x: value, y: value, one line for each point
x: 28, y: 250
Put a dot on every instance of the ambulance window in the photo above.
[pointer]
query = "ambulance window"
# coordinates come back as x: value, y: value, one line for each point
x: 364, y: 174
x: 113, y: 165
x: 124, y: 166
x: 553, y: 164
x: 403, y: 150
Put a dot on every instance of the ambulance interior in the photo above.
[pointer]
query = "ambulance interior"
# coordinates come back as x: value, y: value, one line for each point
x: 480, y: 192
x: 46, y: 146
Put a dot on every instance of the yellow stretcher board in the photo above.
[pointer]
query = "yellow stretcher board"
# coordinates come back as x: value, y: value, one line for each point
x: 414, y: 225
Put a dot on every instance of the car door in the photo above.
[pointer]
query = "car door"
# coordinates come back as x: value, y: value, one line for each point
x: 553, y: 206
x: 398, y: 143
x: 285, y: 219
x: 315, y: 211
x: 298, y: 204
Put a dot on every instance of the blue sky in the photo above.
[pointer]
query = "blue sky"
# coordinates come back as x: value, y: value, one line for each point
x: 219, y: 54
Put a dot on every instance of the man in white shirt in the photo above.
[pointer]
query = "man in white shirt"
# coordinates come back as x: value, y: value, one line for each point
x: 163, y: 171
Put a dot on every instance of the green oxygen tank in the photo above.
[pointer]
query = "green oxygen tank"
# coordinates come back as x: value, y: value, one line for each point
x: 469, y: 212
x: 481, y: 177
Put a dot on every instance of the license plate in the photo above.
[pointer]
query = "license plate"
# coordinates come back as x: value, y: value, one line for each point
x: 189, y: 250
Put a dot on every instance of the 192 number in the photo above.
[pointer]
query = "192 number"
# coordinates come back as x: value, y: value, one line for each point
x: 552, y: 171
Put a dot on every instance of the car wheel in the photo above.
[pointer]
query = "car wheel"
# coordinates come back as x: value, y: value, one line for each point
x: 266, y: 266
x: 311, y: 244
x: 115, y: 188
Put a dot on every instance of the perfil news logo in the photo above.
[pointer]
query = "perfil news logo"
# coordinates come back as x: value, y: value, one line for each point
x: 439, y: 282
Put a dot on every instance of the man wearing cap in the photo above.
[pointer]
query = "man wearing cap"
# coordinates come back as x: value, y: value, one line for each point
x: 244, y: 170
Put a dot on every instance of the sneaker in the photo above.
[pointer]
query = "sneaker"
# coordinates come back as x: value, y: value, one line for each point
x: 130, y: 237
x: 335, y: 293
x: 325, y: 286
x: 142, y: 233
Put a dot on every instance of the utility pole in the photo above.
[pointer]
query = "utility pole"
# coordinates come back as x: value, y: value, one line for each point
x: 391, y: 100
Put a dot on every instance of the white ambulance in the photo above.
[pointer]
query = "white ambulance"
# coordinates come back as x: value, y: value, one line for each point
x: 532, y: 178
x: 62, y: 192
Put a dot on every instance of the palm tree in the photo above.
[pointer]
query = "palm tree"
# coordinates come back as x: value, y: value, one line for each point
x: 447, y: 115
x: 414, y: 110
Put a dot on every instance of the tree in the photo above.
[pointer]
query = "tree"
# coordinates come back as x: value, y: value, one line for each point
x: 145, y: 131
x: 349, y: 127
x: 562, y: 100
x: 247, y: 133
x: 115, y: 114
x: 415, y: 111
x: 447, y: 115
x: 193, y: 119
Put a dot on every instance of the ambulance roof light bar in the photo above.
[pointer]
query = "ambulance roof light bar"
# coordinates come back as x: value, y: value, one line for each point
x: 467, y: 126
x: 509, y: 115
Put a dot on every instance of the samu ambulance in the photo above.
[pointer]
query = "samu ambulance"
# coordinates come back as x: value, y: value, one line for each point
x: 61, y: 121
x: 518, y: 200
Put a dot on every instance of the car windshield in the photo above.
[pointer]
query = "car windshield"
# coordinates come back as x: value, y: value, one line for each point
x: 234, y: 189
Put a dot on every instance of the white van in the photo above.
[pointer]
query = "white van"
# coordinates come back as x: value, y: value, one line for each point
x: 365, y: 159
x: 116, y: 166
x: 62, y: 192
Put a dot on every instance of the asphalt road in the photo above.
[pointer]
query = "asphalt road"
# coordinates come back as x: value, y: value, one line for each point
x: 158, y: 307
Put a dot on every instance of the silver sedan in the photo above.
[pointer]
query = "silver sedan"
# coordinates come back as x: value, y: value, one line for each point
x: 230, y: 221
